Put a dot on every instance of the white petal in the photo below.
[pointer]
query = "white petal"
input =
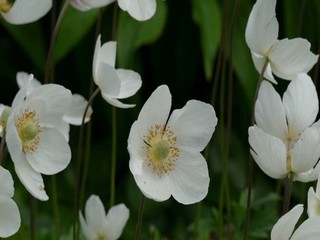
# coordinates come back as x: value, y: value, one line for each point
x: 284, y: 227
x: 6, y: 184
x: 31, y: 179
x: 301, y: 104
x: 117, y: 218
x: 155, y: 110
x: 140, y: 10
x: 109, y: 82
x: 115, y: 102
x: 95, y: 214
x: 269, y: 111
x: 291, y: 57
x: 259, y: 61
x: 308, y: 230
x: 262, y: 27
x: 152, y: 185
x: 85, y: 5
x: 86, y: 230
x: 308, y: 176
x: 190, y: 177
x: 53, y: 153
x: 24, y: 11
x: 269, y: 152
x: 23, y: 78
x: 75, y: 110
x: 137, y: 150
x: 313, y: 203
x: 130, y: 83
x: 78, y: 4
x: 306, y: 151
x: 193, y: 125
x: 10, y: 220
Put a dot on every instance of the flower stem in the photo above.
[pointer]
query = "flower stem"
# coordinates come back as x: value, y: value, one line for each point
x: 113, y: 156
x: 33, y: 210
x: 287, y: 193
x: 50, y: 57
x: 55, y: 207
x: 140, y: 217
x: 78, y: 167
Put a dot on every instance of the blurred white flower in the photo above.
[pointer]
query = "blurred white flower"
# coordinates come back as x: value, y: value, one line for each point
x: 284, y: 228
x: 287, y: 57
x: 140, y: 10
x: 285, y: 138
x: 24, y: 11
x: 314, y: 200
x: 10, y: 216
x: 33, y: 136
x: 114, y: 83
x: 165, y: 156
x: 102, y: 226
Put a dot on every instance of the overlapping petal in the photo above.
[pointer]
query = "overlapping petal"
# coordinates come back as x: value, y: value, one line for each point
x: 140, y: 10
x: 259, y: 61
x: 85, y: 5
x: 10, y: 220
x: 309, y: 229
x: 116, y: 220
x: 75, y: 110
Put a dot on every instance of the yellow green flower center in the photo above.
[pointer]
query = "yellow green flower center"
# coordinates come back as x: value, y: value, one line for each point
x: 161, y: 149
x: 4, y: 117
x: 102, y: 236
x: 28, y: 128
x: 5, y: 5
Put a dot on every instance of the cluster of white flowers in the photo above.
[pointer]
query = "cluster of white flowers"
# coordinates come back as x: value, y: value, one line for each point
x: 286, y: 137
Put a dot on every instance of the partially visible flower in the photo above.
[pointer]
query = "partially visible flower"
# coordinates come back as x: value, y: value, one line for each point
x: 114, y: 83
x: 24, y: 11
x: 35, y: 142
x: 314, y: 200
x: 287, y: 57
x: 284, y: 228
x: 10, y: 216
x: 102, y: 226
x: 285, y: 139
x: 140, y: 10
x: 165, y: 156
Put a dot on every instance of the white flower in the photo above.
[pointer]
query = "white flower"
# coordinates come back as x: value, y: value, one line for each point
x: 33, y: 137
x: 140, y: 10
x: 287, y: 57
x: 165, y: 156
x: 10, y: 216
x: 314, y: 200
x: 285, y: 138
x: 283, y: 229
x: 114, y: 83
x: 24, y: 11
x: 102, y: 226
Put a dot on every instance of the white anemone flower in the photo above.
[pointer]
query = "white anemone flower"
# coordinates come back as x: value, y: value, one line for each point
x: 314, y: 200
x: 114, y: 83
x: 140, y: 10
x: 165, y: 156
x: 284, y: 228
x: 285, y: 139
x: 33, y: 137
x: 24, y: 11
x: 102, y: 226
x: 287, y: 57
x: 10, y: 216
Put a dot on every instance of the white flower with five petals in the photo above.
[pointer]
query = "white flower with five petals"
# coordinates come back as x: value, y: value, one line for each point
x: 287, y: 57
x: 102, y: 226
x: 35, y: 142
x: 285, y: 138
x: 24, y: 11
x: 165, y: 156
x: 10, y: 216
x: 114, y: 83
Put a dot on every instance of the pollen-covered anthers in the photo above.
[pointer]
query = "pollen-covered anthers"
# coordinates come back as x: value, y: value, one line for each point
x: 5, y: 5
x: 161, y: 150
x: 28, y: 128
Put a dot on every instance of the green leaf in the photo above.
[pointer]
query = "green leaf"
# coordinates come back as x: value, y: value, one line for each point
x: 30, y: 38
x: 206, y: 14
x: 74, y: 26
x: 133, y: 34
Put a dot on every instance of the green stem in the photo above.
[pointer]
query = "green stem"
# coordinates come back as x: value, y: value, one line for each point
x: 140, y: 217
x: 287, y: 193
x: 55, y: 206
x: 78, y: 168
x: 113, y: 156
x: 33, y: 210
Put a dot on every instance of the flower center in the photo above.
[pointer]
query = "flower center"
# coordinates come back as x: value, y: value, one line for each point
x: 28, y: 128
x: 5, y: 5
x: 102, y: 236
x: 161, y: 150
x: 4, y: 117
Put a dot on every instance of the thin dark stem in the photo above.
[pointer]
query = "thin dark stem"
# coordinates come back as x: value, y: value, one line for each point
x: 113, y: 156
x: 287, y: 194
x: 114, y: 22
x: 50, y: 57
x: 78, y: 167
x: 140, y: 217
x: 33, y: 214
x: 2, y: 146
x: 55, y: 207
x: 301, y: 16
